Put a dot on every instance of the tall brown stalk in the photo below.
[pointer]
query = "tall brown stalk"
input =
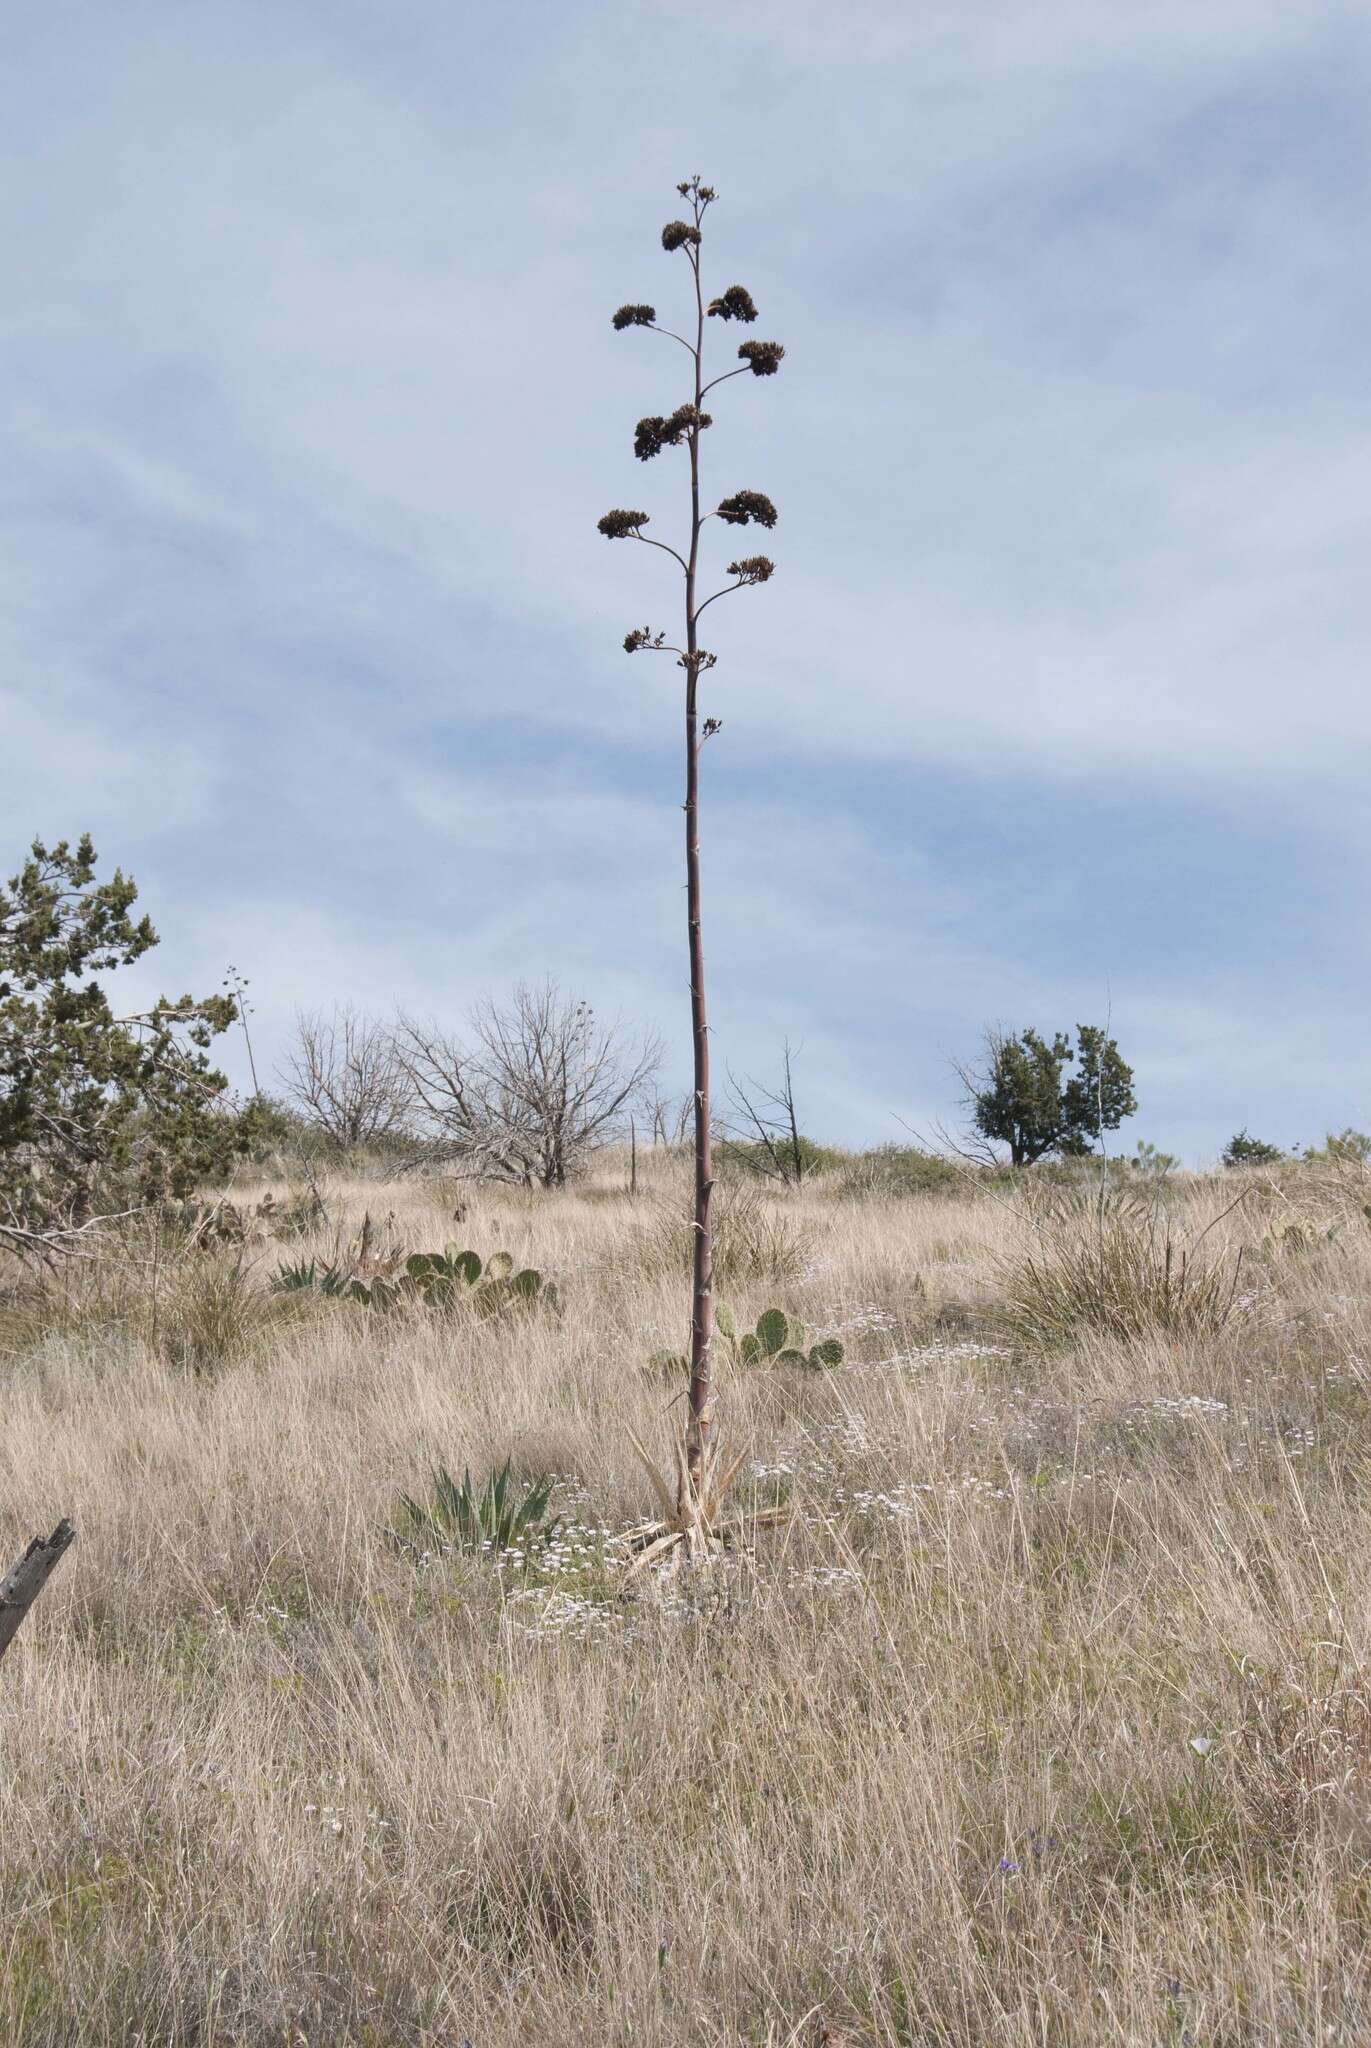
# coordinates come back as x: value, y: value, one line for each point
x: 683, y: 428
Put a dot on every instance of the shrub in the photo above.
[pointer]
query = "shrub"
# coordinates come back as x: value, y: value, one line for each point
x: 1341, y: 1148
x: 307, y: 1276
x: 1151, y: 1160
x: 899, y: 1170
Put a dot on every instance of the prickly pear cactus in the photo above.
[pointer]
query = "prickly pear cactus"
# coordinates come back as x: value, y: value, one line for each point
x: 444, y: 1279
x: 778, y: 1339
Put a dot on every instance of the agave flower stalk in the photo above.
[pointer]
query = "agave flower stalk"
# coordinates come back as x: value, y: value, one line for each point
x: 682, y: 428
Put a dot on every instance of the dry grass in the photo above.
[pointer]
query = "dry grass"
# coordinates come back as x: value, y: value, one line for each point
x: 1046, y: 1718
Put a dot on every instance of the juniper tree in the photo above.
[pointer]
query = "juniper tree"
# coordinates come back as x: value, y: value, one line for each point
x: 683, y: 428
x: 98, y: 1113
x: 1020, y: 1098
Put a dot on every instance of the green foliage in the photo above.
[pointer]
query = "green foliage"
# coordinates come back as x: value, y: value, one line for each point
x: 1023, y: 1100
x: 1242, y: 1150
x: 497, y: 1518
x: 264, y: 1127
x: 777, y: 1339
x: 97, y: 1112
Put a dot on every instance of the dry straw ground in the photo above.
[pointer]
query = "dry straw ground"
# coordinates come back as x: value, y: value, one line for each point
x: 1046, y: 1718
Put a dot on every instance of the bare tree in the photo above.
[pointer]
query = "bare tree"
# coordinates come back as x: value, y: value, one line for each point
x: 345, y: 1075
x: 768, y: 1122
x: 536, y: 1085
x: 670, y: 1117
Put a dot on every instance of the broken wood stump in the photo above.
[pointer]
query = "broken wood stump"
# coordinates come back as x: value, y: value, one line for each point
x: 25, y: 1580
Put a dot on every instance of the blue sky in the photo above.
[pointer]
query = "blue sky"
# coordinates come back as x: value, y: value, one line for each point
x: 1057, y: 705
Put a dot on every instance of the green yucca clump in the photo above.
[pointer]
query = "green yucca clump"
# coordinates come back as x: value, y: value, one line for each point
x: 305, y: 1275
x: 495, y: 1518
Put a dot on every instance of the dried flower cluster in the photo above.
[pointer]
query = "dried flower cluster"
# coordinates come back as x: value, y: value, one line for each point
x: 643, y: 636
x: 655, y: 433
x: 753, y: 569
x: 677, y: 233
x: 763, y: 357
x: 734, y: 304
x: 747, y: 508
x: 619, y: 525
x: 634, y: 316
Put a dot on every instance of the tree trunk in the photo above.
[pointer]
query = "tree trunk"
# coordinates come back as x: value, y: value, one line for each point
x: 27, y: 1578
x: 702, y: 1284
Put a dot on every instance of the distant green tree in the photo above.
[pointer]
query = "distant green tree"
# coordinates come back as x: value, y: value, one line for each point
x: 1019, y: 1095
x: 1243, y: 1150
x: 97, y: 1112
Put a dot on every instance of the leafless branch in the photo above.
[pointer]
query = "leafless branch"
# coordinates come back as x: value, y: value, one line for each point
x: 344, y: 1074
x: 770, y: 1122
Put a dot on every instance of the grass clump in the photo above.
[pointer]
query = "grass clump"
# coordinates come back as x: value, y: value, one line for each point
x: 1118, y: 1268
x: 754, y: 1239
x: 196, y: 1310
